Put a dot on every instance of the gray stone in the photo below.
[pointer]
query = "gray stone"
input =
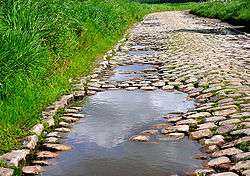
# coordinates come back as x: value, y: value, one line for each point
x: 59, y: 147
x: 187, y: 122
x: 215, y: 140
x: 225, y: 129
x: 15, y: 156
x: 149, y: 132
x: 32, y: 169
x: 140, y: 138
x: 201, y: 134
x: 6, y: 171
x: 208, y: 125
x: 63, y: 130
x: 30, y: 142
x: 241, y: 165
x: 246, y: 172
x: 75, y: 115
x: 215, y: 119
x: 225, y: 174
x: 70, y: 119
x: 46, y: 154
x: 52, y: 140
x: 227, y: 152
x: 203, y: 172
x: 174, y: 136
x: 241, y: 132
x: 200, y: 114
x: 148, y: 88
x: 37, y: 129
x: 40, y: 162
x: 218, y: 161
x: 241, y: 156
x: 229, y: 121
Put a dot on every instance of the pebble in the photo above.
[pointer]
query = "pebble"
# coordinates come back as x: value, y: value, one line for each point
x: 32, y: 169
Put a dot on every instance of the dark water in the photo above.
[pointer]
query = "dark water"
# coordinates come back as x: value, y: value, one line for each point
x: 100, y: 141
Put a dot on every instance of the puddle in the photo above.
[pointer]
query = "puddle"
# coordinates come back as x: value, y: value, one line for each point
x: 125, y: 77
x: 130, y: 72
x: 143, y: 53
x: 100, y: 141
x: 134, y: 67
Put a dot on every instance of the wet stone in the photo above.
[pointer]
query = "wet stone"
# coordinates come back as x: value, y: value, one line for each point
x: 187, y: 121
x: 59, y: 147
x: 69, y: 119
x: 46, y: 154
x: 32, y: 169
x: 225, y: 174
x: 131, y: 88
x: 75, y: 115
x: 225, y: 129
x: 218, y: 161
x: 241, y: 156
x: 63, y: 130
x: 64, y: 124
x: 230, y: 121
x: 140, y: 138
x: 204, y: 172
x: 174, y: 136
x: 241, y: 165
x: 160, y: 125
x: 201, y: 134
x: 52, y: 140
x: 148, y: 88
x: 208, y: 125
x: 40, y: 162
x: 30, y: 142
x: 178, y: 128
x: 174, y: 119
x: 241, y: 132
x: 215, y: 119
x: 200, y: 114
x: 246, y: 172
x: 168, y: 87
x: 227, y: 152
x: 6, y: 171
x: 215, y: 140
x: 37, y: 129
x: 55, y: 134
x: 14, y: 157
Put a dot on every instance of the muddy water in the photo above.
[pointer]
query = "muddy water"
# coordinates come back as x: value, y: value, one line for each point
x: 100, y: 141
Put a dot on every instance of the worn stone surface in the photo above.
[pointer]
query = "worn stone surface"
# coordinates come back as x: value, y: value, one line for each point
x: 6, y: 171
x: 30, y: 142
x: 37, y: 129
x: 14, y: 157
x: 201, y: 134
x: 218, y: 161
x: 215, y: 140
x: 46, y: 154
x: 140, y: 138
x: 225, y: 174
x: 227, y: 152
x: 241, y: 165
x: 32, y: 169
x: 59, y: 147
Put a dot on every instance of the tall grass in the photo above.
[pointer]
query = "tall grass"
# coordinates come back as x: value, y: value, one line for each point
x: 235, y: 11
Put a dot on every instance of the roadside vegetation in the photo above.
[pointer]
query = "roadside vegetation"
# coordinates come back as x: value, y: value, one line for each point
x: 44, y: 43
x: 234, y: 11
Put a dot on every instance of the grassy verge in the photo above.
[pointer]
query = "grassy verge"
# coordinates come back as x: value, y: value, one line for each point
x: 46, y: 42
x: 234, y: 11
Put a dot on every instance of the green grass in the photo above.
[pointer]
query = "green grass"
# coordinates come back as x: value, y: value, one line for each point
x: 44, y: 43
x: 235, y: 11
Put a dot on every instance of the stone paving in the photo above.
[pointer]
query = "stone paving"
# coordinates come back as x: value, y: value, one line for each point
x: 171, y: 51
